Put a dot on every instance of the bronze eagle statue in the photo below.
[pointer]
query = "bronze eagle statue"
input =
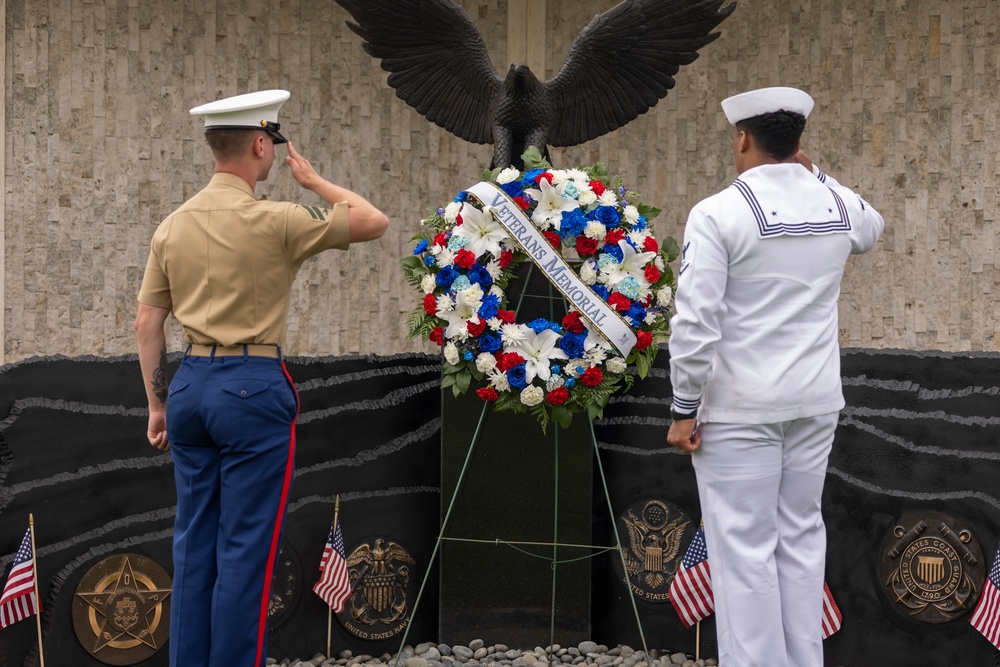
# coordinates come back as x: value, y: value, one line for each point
x: 619, y: 66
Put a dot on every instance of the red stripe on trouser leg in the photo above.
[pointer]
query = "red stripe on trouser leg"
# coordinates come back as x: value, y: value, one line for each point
x: 276, y: 535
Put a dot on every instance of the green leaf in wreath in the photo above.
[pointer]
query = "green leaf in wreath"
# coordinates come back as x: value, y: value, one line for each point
x: 562, y: 415
x: 462, y: 381
x: 642, y: 365
x: 533, y: 159
x: 669, y: 247
x: 649, y: 211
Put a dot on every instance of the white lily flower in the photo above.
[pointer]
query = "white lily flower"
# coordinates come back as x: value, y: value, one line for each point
x: 466, y: 309
x: 633, y: 264
x: 482, y: 231
x: 538, y: 349
x: 550, y: 203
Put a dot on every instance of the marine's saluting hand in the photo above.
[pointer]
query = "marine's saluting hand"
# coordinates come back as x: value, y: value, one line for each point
x: 302, y: 169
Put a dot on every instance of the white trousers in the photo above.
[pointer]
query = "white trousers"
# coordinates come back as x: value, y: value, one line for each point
x: 761, y: 487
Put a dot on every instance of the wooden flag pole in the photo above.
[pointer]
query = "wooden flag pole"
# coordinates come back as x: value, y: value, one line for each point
x: 329, y: 610
x: 38, y: 600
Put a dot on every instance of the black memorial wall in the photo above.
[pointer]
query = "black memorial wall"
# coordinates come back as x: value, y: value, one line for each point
x: 920, y: 434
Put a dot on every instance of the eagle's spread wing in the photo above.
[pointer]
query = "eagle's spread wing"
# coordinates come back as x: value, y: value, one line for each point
x: 436, y: 59
x: 398, y: 553
x: 623, y: 63
x: 362, y: 554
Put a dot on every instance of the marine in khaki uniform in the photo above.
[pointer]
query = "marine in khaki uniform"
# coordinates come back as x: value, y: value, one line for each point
x: 754, y: 359
x: 223, y: 264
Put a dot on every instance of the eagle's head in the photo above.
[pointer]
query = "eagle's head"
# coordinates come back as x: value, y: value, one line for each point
x: 520, y: 79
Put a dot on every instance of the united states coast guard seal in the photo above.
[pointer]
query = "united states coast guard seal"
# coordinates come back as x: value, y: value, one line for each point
x: 932, y: 568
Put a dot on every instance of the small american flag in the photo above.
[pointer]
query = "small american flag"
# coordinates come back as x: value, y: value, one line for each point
x: 334, y: 585
x: 986, y: 617
x: 691, y: 590
x: 18, y: 600
x: 831, y: 613
x: 692, y: 597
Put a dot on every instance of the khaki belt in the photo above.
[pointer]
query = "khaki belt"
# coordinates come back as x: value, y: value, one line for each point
x: 269, y: 351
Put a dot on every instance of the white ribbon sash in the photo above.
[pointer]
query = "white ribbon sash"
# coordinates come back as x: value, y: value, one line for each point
x: 593, y: 309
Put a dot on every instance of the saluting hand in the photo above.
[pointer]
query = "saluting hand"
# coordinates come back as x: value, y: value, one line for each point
x: 803, y: 159
x: 302, y: 170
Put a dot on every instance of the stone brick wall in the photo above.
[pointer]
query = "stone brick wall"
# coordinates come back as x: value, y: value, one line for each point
x: 99, y: 147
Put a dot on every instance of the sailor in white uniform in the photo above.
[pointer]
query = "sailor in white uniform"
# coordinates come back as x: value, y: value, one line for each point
x: 755, y: 369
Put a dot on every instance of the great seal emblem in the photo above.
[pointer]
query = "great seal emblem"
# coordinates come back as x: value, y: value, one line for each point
x: 656, y: 530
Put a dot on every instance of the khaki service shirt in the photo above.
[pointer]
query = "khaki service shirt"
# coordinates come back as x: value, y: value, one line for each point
x: 224, y: 262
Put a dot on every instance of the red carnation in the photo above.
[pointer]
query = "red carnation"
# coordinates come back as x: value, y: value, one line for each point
x: 430, y: 305
x: 585, y: 246
x: 458, y: 220
x: 592, y: 376
x: 476, y: 329
x: 557, y: 396
x: 506, y: 316
x: 544, y: 175
x: 552, y: 238
x: 465, y: 259
x: 614, y: 236
x: 508, y: 360
x: 522, y: 202
x: 597, y: 187
x: 487, y: 393
x: 437, y: 335
x: 643, y: 340
x: 506, y: 257
x: 441, y: 239
x: 652, y: 273
x: 619, y: 301
x: 649, y: 244
x: 573, y: 323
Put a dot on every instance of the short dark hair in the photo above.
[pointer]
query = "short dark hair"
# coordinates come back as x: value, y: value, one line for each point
x: 776, y: 133
x: 229, y: 144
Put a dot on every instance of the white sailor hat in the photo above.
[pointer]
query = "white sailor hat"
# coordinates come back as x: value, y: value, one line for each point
x: 766, y: 100
x: 246, y: 112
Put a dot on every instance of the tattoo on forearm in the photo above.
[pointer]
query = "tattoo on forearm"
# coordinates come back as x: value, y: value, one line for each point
x: 160, y: 377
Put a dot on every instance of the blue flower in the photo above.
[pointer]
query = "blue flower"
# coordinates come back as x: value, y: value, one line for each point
x: 513, y: 189
x: 461, y: 197
x: 572, y: 344
x: 629, y: 287
x: 556, y: 369
x: 572, y: 223
x: 614, y: 251
x: 555, y: 328
x: 539, y: 325
x: 640, y: 224
x: 446, y: 276
x: 479, y: 275
x: 636, y: 313
x: 468, y: 356
x: 440, y: 211
x: 601, y: 291
x: 607, y: 216
x: 456, y: 242
x: 490, y: 342
x: 528, y: 180
x: 516, y: 377
x: 421, y: 246
x: 460, y: 283
x: 488, y: 309
x: 570, y: 382
x: 430, y: 260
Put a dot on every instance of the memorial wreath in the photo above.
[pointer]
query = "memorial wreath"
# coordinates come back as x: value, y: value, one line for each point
x: 619, y: 288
